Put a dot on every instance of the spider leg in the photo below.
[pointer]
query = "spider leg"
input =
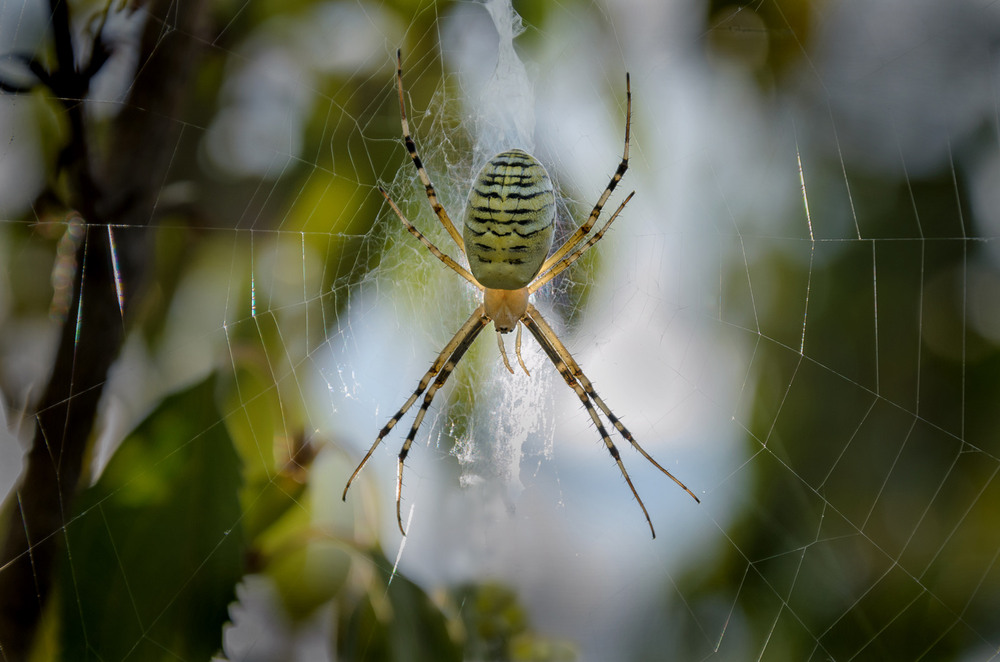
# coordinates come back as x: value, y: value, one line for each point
x: 411, y: 147
x: 561, y: 266
x: 465, y: 337
x: 454, y: 266
x: 503, y: 353
x: 582, y: 231
x: 588, y: 387
x: 517, y: 350
x: 471, y: 326
x: 567, y: 375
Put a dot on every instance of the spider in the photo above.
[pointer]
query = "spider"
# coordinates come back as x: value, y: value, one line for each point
x: 508, y: 230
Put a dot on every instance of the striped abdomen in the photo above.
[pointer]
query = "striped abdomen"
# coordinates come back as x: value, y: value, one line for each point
x: 509, y: 221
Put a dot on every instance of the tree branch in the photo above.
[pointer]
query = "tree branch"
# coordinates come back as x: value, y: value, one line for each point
x: 120, y: 194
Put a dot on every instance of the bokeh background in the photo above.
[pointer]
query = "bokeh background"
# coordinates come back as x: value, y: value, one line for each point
x: 207, y: 312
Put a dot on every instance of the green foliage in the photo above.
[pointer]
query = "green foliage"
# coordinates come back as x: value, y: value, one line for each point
x: 154, y: 549
x: 818, y: 568
x: 395, y: 621
x: 498, y: 628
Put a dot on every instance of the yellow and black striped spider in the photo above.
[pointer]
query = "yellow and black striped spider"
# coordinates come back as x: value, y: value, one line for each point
x: 509, y: 223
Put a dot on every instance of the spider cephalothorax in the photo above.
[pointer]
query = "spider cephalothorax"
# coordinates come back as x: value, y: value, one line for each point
x: 508, y: 229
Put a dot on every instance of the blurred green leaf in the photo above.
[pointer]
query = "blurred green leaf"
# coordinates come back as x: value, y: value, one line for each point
x: 499, y: 629
x: 309, y: 575
x: 398, y: 622
x: 154, y: 549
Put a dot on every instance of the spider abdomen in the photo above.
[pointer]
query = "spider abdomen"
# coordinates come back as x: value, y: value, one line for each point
x: 509, y: 221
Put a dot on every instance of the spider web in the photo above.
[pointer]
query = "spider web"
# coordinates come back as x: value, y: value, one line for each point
x: 796, y: 314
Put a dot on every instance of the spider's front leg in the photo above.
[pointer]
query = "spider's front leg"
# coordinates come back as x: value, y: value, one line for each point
x: 507, y: 310
x: 473, y: 325
x: 517, y: 351
x: 466, y: 335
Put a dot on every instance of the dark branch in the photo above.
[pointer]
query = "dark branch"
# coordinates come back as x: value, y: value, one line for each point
x: 119, y: 193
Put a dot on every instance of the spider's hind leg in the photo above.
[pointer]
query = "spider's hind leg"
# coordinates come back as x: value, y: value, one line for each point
x: 411, y: 148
